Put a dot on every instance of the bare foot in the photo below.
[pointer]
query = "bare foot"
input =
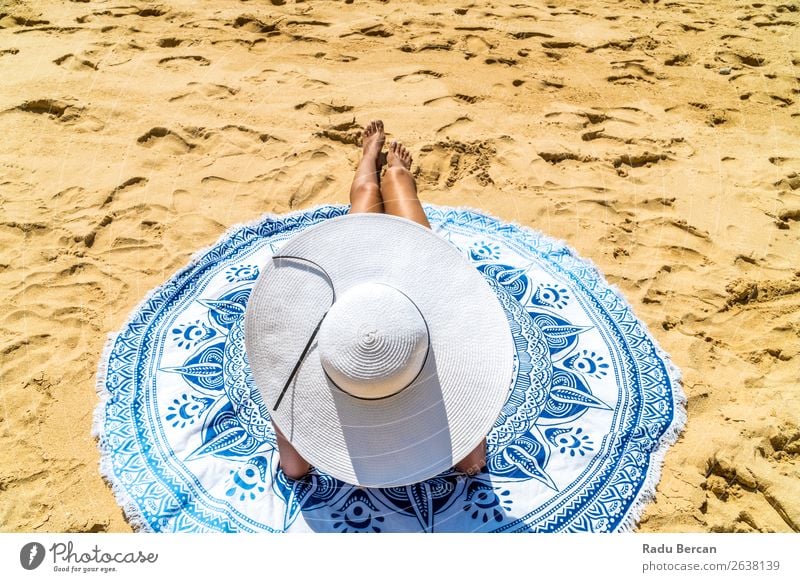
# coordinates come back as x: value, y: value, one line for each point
x: 373, y: 139
x: 398, y: 155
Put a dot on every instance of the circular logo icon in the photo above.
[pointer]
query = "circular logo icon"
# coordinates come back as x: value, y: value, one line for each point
x: 31, y: 555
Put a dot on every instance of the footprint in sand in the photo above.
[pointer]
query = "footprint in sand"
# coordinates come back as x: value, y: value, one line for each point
x: 743, y: 292
x: 304, y: 176
x: 461, y: 122
x: 118, y: 12
x: 768, y: 494
x: 634, y: 71
x: 679, y: 60
x: 744, y: 57
x: 785, y: 441
x: 556, y: 158
x: 638, y: 160
x: 205, y: 91
x: 228, y: 141
x: 444, y: 163
x: 791, y: 181
x: 526, y: 34
x: 473, y: 45
x: 249, y: 43
x: 348, y: 132
x: 75, y: 63
x: 170, y: 42
x: 458, y: 98
x: 552, y: 82
x: 68, y: 113
x: 337, y: 57
x: 500, y: 60
x: 294, y: 28
x: 12, y: 20
x: 325, y: 109
x: 578, y: 119
x: 54, y: 108
x: 127, y: 184
x: 561, y: 44
x: 417, y: 76
x: 166, y: 141
x: 642, y: 43
x: 375, y: 30
x: 676, y: 28
x: 181, y: 61
x: 252, y: 23
x: 286, y: 77
x: 446, y: 45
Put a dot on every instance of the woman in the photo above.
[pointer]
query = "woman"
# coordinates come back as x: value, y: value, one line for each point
x: 395, y: 194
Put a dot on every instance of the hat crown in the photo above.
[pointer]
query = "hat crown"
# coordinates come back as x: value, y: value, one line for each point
x: 373, y: 341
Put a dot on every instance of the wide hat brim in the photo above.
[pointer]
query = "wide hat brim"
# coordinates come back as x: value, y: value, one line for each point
x: 447, y: 410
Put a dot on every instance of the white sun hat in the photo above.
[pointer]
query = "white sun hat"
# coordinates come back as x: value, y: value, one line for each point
x: 381, y: 353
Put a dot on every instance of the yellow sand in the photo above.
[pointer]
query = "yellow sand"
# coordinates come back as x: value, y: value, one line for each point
x: 135, y: 135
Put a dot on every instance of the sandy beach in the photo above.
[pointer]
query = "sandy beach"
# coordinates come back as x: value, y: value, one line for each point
x: 659, y: 139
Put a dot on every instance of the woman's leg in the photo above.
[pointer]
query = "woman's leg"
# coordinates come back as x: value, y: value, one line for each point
x: 399, y: 188
x: 399, y: 191
x: 365, y: 192
x: 365, y: 196
x: 294, y: 466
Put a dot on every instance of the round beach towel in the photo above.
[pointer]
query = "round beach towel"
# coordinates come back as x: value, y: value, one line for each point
x: 187, y: 444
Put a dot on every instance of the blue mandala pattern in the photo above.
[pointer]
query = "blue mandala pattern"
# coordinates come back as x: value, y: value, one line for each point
x: 187, y: 440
